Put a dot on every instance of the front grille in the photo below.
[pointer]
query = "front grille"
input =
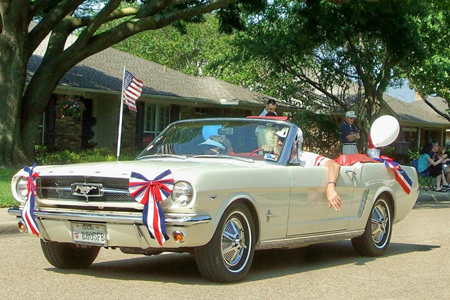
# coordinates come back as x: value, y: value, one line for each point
x: 59, y: 187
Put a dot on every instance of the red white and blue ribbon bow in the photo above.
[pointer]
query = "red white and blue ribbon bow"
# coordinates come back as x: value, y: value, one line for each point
x: 28, y: 209
x: 400, y: 175
x: 159, y: 189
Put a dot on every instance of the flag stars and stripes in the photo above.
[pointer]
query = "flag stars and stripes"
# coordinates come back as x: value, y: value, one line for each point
x: 132, y: 90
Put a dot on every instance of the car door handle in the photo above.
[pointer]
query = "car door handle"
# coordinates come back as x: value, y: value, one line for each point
x: 351, y: 174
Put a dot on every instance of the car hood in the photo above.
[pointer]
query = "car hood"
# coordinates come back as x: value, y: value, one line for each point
x: 149, y: 168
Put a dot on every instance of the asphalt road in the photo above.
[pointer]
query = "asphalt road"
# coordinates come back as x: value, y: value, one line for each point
x: 416, y: 266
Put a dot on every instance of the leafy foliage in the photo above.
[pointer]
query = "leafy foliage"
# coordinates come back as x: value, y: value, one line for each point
x: 99, y: 24
x: 72, y: 107
x: 321, y: 135
x: 432, y: 75
x: 44, y: 156
x: 6, y: 199
x: 332, y: 57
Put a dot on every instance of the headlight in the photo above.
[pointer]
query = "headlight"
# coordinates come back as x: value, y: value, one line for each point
x: 21, y: 188
x: 182, y: 193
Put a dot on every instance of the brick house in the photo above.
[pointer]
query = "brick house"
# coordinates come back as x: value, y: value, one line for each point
x: 168, y: 95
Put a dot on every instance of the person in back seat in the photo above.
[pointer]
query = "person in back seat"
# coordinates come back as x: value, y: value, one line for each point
x: 309, y: 159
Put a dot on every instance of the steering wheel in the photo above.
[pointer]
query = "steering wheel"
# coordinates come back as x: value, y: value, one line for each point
x: 256, y: 151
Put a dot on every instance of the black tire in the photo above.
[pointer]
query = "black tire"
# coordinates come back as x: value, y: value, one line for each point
x: 68, y: 256
x: 229, y: 255
x: 378, y: 232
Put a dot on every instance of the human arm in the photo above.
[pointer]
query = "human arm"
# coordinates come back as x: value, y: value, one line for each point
x: 333, y: 175
x: 437, y: 162
x: 348, y: 133
x: 353, y: 136
x: 333, y: 170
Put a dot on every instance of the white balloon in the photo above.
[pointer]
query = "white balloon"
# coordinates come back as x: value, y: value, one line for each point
x: 384, y: 131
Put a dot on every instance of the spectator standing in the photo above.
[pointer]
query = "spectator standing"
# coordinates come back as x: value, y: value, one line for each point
x: 271, y: 106
x: 349, y: 134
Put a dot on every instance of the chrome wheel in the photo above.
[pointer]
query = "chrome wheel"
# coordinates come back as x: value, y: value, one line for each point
x: 233, y: 243
x: 229, y: 254
x: 381, y: 220
x: 377, y: 234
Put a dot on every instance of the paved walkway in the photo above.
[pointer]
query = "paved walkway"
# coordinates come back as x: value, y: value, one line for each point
x: 8, y: 223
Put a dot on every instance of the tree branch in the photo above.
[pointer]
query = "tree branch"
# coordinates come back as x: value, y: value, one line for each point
x: 48, y: 23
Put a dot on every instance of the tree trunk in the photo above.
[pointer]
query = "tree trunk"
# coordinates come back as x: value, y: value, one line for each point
x: 13, y: 69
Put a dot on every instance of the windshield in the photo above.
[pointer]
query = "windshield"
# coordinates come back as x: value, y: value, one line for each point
x: 257, y: 139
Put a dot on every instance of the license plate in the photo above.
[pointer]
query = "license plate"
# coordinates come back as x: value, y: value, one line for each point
x: 89, y: 234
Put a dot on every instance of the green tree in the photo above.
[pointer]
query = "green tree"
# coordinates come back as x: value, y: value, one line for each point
x: 345, y: 51
x: 23, y: 104
x: 432, y: 76
x: 189, y: 51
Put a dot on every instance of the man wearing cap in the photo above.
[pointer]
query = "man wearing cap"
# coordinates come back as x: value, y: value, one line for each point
x: 216, y: 144
x: 349, y: 134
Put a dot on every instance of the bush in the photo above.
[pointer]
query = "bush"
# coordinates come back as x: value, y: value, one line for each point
x: 320, y: 133
x: 6, y: 198
x: 47, y: 156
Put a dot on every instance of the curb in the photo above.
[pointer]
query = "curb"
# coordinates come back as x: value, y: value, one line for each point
x: 8, y: 223
x: 9, y: 228
x: 432, y: 196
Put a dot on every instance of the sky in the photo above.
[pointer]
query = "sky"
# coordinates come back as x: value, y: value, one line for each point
x: 405, y: 93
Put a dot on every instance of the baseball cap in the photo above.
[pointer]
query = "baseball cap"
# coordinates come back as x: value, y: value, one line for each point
x: 350, y: 114
x: 210, y: 142
x: 282, y: 133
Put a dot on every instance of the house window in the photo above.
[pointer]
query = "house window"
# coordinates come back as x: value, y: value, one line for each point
x: 156, y: 119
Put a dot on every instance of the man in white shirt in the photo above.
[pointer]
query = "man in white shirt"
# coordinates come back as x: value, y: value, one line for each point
x: 271, y: 106
x: 308, y: 159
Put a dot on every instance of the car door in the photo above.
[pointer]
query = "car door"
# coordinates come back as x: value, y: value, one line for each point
x: 308, y: 206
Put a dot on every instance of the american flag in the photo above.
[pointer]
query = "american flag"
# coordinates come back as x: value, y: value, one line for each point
x: 28, y: 209
x: 158, y: 189
x: 132, y: 90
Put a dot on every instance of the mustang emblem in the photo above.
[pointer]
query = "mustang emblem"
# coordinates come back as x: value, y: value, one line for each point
x: 87, y: 189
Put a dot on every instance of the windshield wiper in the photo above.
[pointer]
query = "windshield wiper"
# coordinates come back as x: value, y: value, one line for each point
x: 161, y: 155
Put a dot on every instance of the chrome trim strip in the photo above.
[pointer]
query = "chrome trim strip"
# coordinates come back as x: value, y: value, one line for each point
x: 302, y: 241
x: 171, y: 219
x: 68, y: 189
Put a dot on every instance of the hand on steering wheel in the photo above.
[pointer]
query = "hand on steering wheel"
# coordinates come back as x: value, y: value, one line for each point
x: 256, y: 151
x: 264, y: 149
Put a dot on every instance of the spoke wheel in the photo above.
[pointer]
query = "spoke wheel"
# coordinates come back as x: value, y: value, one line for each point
x: 378, y: 231
x: 234, y: 242
x: 229, y: 254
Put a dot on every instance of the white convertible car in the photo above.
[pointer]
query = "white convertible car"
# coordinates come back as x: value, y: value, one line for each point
x: 217, y: 188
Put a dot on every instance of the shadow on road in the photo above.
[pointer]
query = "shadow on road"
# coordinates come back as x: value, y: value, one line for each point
x: 181, y: 268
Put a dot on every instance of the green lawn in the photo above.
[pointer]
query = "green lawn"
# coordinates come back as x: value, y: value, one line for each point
x: 6, y: 198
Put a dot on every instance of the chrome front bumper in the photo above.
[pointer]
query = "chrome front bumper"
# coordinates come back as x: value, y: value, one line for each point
x: 117, y: 218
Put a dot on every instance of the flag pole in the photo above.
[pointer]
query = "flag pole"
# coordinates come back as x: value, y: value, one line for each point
x: 119, y: 135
